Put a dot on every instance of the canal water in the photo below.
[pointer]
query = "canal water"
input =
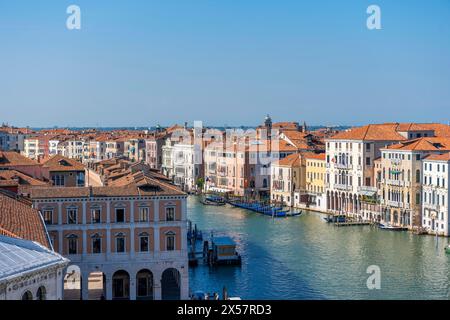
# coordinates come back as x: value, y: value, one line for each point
x: 306, y: 258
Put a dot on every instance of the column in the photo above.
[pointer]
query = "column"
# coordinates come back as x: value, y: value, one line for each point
x: 108, y: 286
x: 132, y: 236
x: 108, y: 242
x: 156, y: 228
x: 84, y: 242
x: 184, y: 284
x: 156, y: 240
x: 157, y: 293
x: 156, y: 210
x: 60, y: 214
x: 84, y: 212
x: 132, y: 287
x: 108, y: 212
x: 84, y: 286
x: 60, y: 242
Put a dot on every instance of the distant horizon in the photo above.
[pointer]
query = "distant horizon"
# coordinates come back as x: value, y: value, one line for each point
x: 190, y: 125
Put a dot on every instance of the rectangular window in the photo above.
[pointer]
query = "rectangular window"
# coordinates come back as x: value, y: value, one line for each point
x: 120, y: 215
x: 367, y: 161
x: 73, y: 244
x: 120, y: 244
x: 72, y: 216
x: 143, y: 214
x: 96, y: 245
x: 48, y: 216
x: 170, y: 214
x: 170, y: 243
x: 96, y: 215
x: 143, y: 241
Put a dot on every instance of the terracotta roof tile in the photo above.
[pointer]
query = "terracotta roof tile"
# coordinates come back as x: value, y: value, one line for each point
x: 10, y: 158
x: 21, y: 220
x: 439, y: 157
x: 423, y: 144
x: 60, y: 163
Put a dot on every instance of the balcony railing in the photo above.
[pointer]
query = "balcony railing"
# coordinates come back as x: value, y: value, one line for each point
x: 432, y: 206
x: 343, y: 187
x: 367, y: 189
x: 396, y: 204
x: 398, y: 183
x: 345, y: 166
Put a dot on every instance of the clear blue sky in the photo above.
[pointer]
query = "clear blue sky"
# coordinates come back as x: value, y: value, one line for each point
x: 139, y: 63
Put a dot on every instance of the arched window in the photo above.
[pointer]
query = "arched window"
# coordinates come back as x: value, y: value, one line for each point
x: 27, y: 296
x: 41, y: 293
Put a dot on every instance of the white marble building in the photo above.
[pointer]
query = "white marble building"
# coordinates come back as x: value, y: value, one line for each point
x: 30, y: 271
x: 435, y: 194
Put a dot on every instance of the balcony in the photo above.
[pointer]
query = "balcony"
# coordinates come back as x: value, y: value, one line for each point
x: 396, y: 204
x: 367, y: 189
x: 398, y: 183
x: 343, y: 187
x: 431, y: 206
x: 343, y: 166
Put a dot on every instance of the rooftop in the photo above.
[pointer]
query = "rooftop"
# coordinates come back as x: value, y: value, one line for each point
x: 19, y: 256
x: 61, y: 163
x: 20, y: 219
x: 10, y: 158
x: 423, y: 144
x: 439, y: 157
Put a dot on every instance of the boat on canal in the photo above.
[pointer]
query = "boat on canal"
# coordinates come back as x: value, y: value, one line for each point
x: 390, y: 227
x: 339, y: 218
x: 221, y: 251
x: 212, y: 200
x: 262, y: 208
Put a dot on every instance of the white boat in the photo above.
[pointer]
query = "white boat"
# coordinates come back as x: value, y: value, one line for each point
x: 390, y: 227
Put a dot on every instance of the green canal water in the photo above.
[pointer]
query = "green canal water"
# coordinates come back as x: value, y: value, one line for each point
x: 305, y: 258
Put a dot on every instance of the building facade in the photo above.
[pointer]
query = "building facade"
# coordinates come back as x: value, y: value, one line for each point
x: 315, y: 181
x: 350, y: 159
x: 402, y: 180
x: 135, y: 235
x: 435, y: 194
x: 29, y: 271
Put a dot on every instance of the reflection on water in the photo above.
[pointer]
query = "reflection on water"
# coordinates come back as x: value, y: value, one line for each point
x: 306, y: 258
